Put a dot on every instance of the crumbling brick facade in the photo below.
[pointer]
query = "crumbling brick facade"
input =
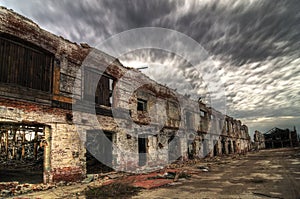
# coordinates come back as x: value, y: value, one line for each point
x: 259, y: 140
x: 149, y: 125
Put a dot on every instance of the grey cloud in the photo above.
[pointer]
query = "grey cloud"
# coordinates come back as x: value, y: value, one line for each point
x: 243, y: 33
x: 256, y: 44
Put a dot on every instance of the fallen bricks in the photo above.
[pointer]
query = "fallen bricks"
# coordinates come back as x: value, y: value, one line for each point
x: 167, y: 176
x: 146, y: 181
x: 8, y: 189
x: 153, y: 179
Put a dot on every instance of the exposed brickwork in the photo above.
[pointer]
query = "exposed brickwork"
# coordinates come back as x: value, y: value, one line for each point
x: 193, y: 127
x: 68, y: 174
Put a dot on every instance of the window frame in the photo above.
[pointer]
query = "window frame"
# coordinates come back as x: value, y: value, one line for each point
x: 39, y: 77
x: 110, y: 87
x: 143, y: 103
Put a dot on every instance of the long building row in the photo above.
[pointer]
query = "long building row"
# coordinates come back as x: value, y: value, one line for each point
x: 82, y: 107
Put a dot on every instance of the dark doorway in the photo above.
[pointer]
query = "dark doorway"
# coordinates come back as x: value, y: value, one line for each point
x: 190, y: 149
x: 205, y: 148
x: 234, y: 147
x: 99, y: 151
x: 223, y: 147
x: 142, y: 142
x: 174, y: 151
x: 229, y: 147
x: 189, y: 120
x: 21, y: 152
x: 215, y: 147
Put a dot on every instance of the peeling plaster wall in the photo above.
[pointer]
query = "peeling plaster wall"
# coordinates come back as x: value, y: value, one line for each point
x: 67, y: 155
x: 67, y: 151
x: 259, y: 140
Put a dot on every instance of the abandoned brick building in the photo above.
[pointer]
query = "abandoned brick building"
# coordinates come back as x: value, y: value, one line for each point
x: 259, y: 140
x: 279, y: 138
x: 46, y: 97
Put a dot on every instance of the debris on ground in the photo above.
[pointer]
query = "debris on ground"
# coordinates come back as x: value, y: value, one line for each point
x: 150, y: 180
x: 114, y: 176
x: 89, y: 178
x: 171, y: 175
x: 118, y: 189
x: 14, y: 188
x: 175, y: 183
x: 203, y: 168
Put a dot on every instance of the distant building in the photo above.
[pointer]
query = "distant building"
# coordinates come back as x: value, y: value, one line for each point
x: 259, y: 140
x: 279, y: 138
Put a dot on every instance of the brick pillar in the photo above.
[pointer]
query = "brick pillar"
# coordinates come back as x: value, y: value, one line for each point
x: 47, y: 152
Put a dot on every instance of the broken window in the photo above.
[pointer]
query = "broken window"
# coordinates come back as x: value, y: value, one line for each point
x: 21, y: 152
x: 227, y: 126
x: 202, y: 113
x: 141, y: 105
x: 221, y: 123
x: 99, y: 154
x: 173, y: 110
x: 174, y: 148
x: 25, y: 64
x: 205, y: 143
x: 203, y: 120
x: 100, y: 93
x: 143, y: 148
x: 189, y: 120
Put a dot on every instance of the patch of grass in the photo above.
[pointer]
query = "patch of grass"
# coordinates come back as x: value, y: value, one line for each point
x: 114, y: 190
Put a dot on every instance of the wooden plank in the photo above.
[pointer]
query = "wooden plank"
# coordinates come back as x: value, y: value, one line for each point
x: 2, y: 45
x: 27, y: 61
x: 6, y: 144
x: 23, y: 145
x: 62, y: 98
x: 15, y: 67
x: 1, y: 139
x: 35, y: 143
x: 5, y: 62
x: 56, y: 79
x: 9, y: 64
x: 14, y: 143
x: 35, y: 71
x: 38, y: 73
x: 41, y: 66
x: 47, y: 71
x: 21, y: 65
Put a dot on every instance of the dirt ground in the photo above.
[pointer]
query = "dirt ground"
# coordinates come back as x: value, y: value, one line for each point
x: 21, y: 175
x: 265, y: 174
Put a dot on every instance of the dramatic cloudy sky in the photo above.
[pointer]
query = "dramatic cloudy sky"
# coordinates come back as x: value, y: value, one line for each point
x: 254, y: 45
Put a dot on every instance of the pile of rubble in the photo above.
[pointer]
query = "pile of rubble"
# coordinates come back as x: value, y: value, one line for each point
x: 167, y: 176
x: 146, y: 180
x: 14, y: 188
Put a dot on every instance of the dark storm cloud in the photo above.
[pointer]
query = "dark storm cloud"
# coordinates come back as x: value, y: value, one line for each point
x: 139, y: 13
x: 238, y: 31
x: 92, y: 21
x: 243, y: 31
x: 255, y: 43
